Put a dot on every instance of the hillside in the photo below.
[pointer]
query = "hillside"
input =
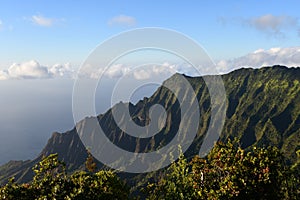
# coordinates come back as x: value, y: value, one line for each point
x: 263, y: 108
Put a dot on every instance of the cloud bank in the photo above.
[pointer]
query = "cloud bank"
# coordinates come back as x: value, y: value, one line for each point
x: 289, y: 57
x: 142, y: 72
x: 33, y: 70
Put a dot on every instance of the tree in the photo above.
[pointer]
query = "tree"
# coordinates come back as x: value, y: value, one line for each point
x: 101, y: 185
x: 177, y: 184
x: 90, y: 163
x: 228, y: 172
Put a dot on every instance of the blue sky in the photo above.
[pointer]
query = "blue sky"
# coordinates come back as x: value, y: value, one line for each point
x: 48, y: 40
x: 72, y: 29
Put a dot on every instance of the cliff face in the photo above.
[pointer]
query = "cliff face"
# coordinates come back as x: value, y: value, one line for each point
x: 263, y: 108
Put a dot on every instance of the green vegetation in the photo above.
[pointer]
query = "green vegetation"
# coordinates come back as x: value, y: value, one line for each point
x: 263, y: 114
x: 263, y: 110
x: 51, y: 182
x: 228, y: 172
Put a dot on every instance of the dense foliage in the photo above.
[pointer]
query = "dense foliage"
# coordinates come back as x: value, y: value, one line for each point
x: 229, y: 172
x: 51, y: 182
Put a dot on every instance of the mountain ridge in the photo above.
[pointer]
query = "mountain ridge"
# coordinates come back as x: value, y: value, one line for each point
x: 263, y: 108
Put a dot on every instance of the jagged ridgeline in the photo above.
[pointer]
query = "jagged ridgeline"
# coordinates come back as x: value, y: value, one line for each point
x: 263, y: 108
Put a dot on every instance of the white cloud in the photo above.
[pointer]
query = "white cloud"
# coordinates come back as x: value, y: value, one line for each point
x: 28, y: 70
x: 62, y: 70
x: 165, y: 68
x: 1, y: 25
x: 272, y: 24
x: 33, y: 70
x: 114, y: 71
x: 289, y: 57
x: 139, y: 73
x: 42, y: 21
x: 142, y: 74
x: 122, y: 20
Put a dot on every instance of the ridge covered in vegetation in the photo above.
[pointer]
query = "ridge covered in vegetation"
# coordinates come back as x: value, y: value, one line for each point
x: 263, y: 110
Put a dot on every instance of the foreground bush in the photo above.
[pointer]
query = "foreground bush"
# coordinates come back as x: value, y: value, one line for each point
x: 51, y: 182
x: 229, y: 173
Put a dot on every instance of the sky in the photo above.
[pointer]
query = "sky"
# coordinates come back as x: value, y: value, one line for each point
x: 44, y: 43
x: 52, y: 32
